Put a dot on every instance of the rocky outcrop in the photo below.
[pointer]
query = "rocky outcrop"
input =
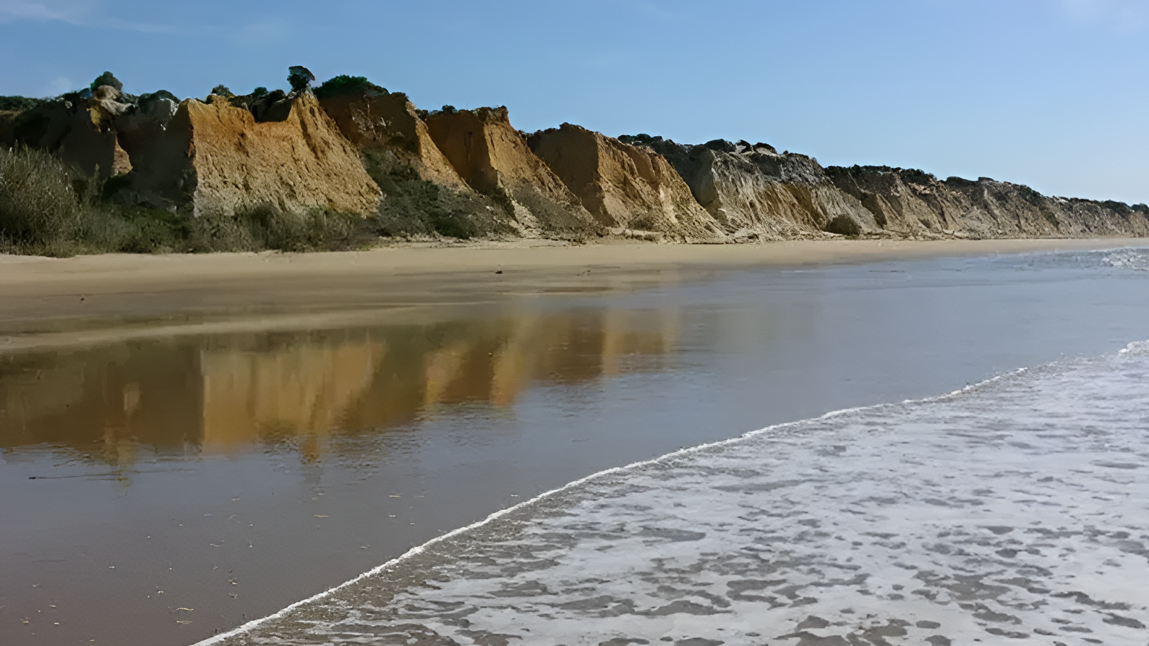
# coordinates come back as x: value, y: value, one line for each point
x: 623, y: 186
x: 912, y: 203
x: 218, y: 158
x: 756, y: 193
x: 79, y: 128
x: 493, y: 158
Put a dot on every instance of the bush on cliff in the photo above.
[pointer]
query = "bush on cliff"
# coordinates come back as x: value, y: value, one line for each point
x: 344, y: 84
x: 18, y: 103
x: 107, y: 78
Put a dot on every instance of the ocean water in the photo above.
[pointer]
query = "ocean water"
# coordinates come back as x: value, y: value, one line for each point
x: 1016, y: 508
x: 159, y: 492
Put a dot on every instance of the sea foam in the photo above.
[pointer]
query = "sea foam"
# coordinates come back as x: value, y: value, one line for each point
x: 1015, y: 508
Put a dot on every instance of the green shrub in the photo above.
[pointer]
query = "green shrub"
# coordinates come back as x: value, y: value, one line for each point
x: 38, y: 204
x: 344, y: 84
x: 18, y: 103
x: 132, y: 229
x: 107, y: 78
x: 270, y: 228
x: 48, y: 209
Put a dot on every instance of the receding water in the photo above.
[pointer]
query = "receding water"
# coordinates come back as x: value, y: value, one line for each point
x: 158, y: 492
x: 1015, y: 509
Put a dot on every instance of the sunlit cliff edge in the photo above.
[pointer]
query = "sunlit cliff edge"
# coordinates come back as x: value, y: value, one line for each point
x: 351, y: 147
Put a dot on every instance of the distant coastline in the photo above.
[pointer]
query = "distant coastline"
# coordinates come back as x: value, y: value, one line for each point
x: 347, y: 163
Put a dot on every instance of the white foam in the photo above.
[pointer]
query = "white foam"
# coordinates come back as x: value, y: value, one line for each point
x: 415, y: 551
x: 1134, y: 258
x: 1023, y: 482
x: 1136, y: 349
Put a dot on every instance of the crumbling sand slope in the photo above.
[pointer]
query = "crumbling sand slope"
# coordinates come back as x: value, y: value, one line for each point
x: 756, y: 193
x: 912, y: 203
x: 216, y: 158
x: 493, y: 158
x: 624, y: 186
x: 386, y: 125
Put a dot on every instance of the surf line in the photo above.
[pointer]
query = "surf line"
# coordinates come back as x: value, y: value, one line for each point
x: 214, y: 640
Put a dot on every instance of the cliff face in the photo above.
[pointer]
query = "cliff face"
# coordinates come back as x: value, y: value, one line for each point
x: 914, y: 203
x: 422, y: 192
x: 216, y: 158
x: 624, y: 186
x: 493, y: 158
x: 468, y: 173
x: 386, y: 127
x: 755, y: 193
x: 80, y: 129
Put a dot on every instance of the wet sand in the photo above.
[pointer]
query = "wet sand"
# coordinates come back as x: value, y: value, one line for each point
x: 92, y: 299
x: 195, y: 452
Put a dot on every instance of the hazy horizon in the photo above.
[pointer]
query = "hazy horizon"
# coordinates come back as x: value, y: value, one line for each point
x: 1047, y: 93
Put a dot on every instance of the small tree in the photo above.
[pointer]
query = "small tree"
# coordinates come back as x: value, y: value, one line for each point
x: 222, y: 90
x: 344, y: 84
x: 106, y: 79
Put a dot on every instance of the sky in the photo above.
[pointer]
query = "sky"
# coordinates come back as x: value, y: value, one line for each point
x: 1049, y: 93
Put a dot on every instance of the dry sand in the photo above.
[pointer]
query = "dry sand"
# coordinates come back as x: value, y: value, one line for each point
x: 46, y: 302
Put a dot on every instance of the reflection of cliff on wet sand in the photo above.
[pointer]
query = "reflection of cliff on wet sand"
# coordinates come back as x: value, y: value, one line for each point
x: 105, y: 402
x: 288, y: 390
x: 222, y: 394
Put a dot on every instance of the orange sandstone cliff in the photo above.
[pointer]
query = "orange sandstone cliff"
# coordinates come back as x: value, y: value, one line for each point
x: 422, y: 192
x: 386, y: 126
x: 623, y: 186
x: 217, y: 158
x: 469, y: 173
x: 493, y: 158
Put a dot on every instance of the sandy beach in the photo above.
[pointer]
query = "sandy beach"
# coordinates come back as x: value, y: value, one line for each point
x: 50, y: 302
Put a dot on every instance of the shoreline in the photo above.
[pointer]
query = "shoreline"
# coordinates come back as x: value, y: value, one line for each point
x: 199, y: 465
x: 90, y: 300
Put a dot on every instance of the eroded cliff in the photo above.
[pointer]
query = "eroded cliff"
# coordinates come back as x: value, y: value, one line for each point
x: 912, y: 203
x: 422, y: 192
x: 386, y: 127
x: 756, y: 193
x: 217, y: 158
x: 623, y: 186
x: 353, y: 147
x: 494, y: 159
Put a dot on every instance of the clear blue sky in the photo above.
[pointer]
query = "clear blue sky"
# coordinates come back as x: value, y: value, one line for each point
x: 1050, y: 93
